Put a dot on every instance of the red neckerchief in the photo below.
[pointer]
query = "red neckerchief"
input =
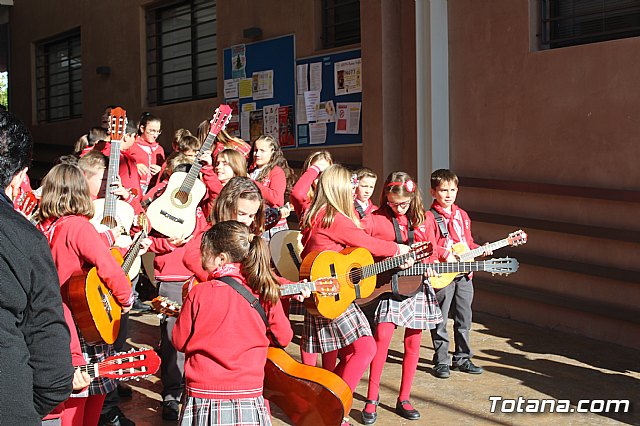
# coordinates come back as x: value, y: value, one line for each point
x: 233, y: 270
x: 451, y: 219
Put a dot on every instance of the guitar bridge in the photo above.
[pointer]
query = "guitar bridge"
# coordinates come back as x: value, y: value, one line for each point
x: 105, y: 302
x: 332, y: 269
x: 171, y: 217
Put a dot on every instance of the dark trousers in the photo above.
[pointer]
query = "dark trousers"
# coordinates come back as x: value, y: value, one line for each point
x: 113, y: 399
x: 456, y: 299
x: 172, y: 366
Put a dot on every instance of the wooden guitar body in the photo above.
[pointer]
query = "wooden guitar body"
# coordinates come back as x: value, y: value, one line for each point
x: 174, y: 212
x: 308, y: 395
x: 96, y: 311
x: 124, y: 216
x: 285, y: 247
x: 343, y: 266
x: 406, y: 285
x: 445, y: 279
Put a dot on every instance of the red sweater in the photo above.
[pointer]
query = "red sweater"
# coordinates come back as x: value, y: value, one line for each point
x: 341, y: 234
x: 214, y: 186
x: 233, y: 367
x: 273, y: 187
x: 167, y: 263
x: 128, y: 173
x: 300, y: 191
x: 146, y: 153
x: 459, y: 229
x: 192, y: 258
x: 75, y: 243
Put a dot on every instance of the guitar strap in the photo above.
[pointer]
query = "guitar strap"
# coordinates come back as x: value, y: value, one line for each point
x: 255, y: 304
x: 440, y: 222
x: 394, y: 278
x: 359, y: 209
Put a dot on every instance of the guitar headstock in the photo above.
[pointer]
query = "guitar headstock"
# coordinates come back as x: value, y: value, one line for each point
x: 166, y: 306
x: 126, y: 365
x: 517, y: 238
x: 501, y: 266
x: 327, y: 286
x: 27, y: 204
x: 220, y: 119
x: 143, y: 222
x: 421, y: 250
x: 117, y: 123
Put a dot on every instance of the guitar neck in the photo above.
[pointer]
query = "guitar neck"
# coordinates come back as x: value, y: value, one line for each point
x: 447, y: 267
x: 110, y: 200
x: 296, y: 288
x: 132, y: 253
x: 91, y: 369
x: 480, y: 250
x: 384, y: 265
x: 191, y: 177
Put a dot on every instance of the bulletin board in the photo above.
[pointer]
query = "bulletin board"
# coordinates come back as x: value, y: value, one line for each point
x: 340, y: 94
x: 259, y: 85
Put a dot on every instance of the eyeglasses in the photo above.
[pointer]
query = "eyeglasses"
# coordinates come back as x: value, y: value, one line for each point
x: 402, y: 205
x: 153, y: 131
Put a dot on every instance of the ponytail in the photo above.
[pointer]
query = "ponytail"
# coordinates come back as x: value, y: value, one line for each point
x: 256, y: 267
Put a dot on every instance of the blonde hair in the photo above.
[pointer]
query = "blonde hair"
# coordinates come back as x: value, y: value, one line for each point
x: 251, y: 251
x: 65, y: 191
x: 236, y: 161
x: 93, y: 162
x: 334, y: 191
x: 311, y: 159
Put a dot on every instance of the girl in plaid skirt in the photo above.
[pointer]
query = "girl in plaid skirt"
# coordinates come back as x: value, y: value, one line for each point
x: 331, y: 223
x: 65, y: 209
x: 223, y: 337
x: 400, y: 218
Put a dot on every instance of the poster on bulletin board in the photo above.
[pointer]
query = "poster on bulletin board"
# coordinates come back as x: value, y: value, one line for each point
x: 259, y: 85
x: 329, y: 99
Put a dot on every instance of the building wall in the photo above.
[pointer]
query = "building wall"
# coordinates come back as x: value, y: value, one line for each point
x: 547, y: 140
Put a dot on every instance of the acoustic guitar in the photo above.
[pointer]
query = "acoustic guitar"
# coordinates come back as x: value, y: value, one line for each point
x: 285, y: 247
x: 355, y: 271
x: 28, y: 205
x: 125, y: 365
x: 96, y: 311
x: 308, y: 395
x: 174, y: 212
x: 462, y: 251
x: 410, y: 281
x: 110, y: 211
x: 324, y: 286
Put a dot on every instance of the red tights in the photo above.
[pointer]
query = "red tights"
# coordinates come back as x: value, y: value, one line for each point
x: 82, y: 411
x: 384, y: 332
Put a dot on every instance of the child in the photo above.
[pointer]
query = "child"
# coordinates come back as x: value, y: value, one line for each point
x: 86, y: 143
x: 183, y: 143
x: 65, y: 210
x: 272, y: 173
x: 226, y: 347
x: 454, y: 227
x: 400, y: 218
x: 366, y: 185
x: 331, y: 223
x: 228, y: 164
x: 146, y: 150
x: 302, y: 192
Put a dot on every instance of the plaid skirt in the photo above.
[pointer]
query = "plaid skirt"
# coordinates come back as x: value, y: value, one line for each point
x: 224, y: 412
x: 322, y: 335
x: 93, y: 354
x: 420, y: 311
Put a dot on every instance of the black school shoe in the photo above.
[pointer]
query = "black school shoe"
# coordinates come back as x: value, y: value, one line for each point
x: 441, y: 371
x: 170, y: 410
x: 412, y: 414
x: 115, y: 417
x: 370, y: 418
x: 468, y: 367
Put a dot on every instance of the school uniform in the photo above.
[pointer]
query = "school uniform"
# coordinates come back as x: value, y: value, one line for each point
x: 146, y: 153
x: 273, y: 188
x: 129, y: 178
x: 171, y: 274
x: 224, y: 381
x: 213, y: 185
x: 300, y: 191
x: 456, y: 298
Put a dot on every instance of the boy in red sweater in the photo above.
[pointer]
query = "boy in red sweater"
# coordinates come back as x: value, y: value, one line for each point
x: 452, y: 225
x: 224, y: 339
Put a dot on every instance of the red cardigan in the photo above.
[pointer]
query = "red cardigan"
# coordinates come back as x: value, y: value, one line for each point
x: 273, y: 187
x: 128, y: 173
x: 341, y: 234
x: 146, y: 153
x: 232, y: 367
x: 444, y: 244
x: 300, y: 191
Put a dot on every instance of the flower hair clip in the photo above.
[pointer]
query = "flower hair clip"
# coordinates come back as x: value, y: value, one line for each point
x: 354, y: 181
x: 408, y: 185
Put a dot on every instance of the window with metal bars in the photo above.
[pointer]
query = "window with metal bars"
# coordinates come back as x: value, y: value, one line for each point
x: 573, y: 22
x: 59, y: 78
x: 182, y: 59
x: 340, y: 23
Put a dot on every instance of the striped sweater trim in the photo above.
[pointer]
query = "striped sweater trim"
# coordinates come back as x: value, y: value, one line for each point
x: 223, y: 393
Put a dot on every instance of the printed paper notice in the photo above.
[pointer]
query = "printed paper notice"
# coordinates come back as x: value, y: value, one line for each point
x: 311, y: 100
x: 348, y: 118
x: 249, y: 106
x: 303, y: 83
x: 263, y: 84
x: 245, y: 132
x: 230, y: 88
x: 234, y: 104
x: 238, y: 62
x: 317, y: 133
x: 315, y: 76
x: 285, y: 122
x: 271, y: 120
x: 256, y: 124
x: 326, y: 112
x: 245, y: 87
x: 301, y: 110
x: 347, y: 77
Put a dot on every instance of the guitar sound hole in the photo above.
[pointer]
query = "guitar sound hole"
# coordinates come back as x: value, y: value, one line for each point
x: 182, y: 196
x: 355, y: 276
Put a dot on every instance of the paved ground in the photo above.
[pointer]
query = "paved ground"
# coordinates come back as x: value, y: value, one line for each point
x: 519, y: 361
